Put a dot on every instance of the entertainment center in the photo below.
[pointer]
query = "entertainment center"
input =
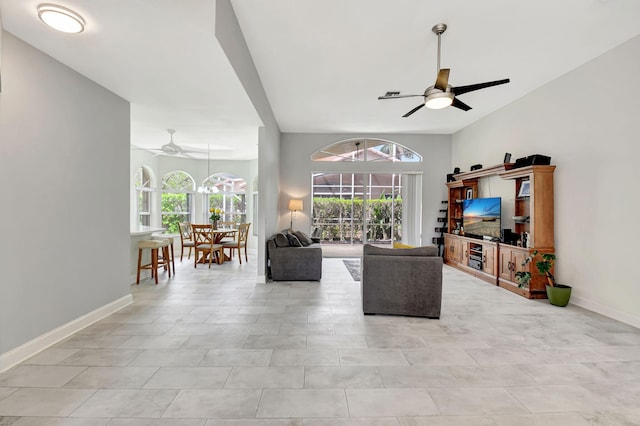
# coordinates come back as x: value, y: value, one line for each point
x: 476, y: 242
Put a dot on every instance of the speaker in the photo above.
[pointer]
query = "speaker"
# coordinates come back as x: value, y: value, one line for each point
x: 536, y: 159
x: 506, y: 236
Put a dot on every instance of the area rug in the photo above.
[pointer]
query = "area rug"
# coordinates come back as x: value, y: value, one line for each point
x: 353, y: 266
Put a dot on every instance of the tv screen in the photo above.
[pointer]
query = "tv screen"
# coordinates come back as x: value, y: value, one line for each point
x: 481, y: 217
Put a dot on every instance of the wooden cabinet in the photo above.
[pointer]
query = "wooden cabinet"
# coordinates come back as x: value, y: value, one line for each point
x: 533, y: 221
x: 476, y: 257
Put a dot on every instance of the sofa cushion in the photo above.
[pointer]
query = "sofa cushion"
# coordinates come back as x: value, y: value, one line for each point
x: 417, y: 251
x: 294, y: 241
x: 304, y: 238
x: 282, y: 240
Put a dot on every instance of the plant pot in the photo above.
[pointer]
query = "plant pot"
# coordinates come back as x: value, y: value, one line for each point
x: 559, y: 294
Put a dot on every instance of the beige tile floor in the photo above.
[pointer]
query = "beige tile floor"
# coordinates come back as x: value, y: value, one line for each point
x: 212, y: 347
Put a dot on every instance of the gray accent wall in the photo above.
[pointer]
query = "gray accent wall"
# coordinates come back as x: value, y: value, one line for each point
x: 64, y: 168
x: 295, y: 173
x: 588, y: 122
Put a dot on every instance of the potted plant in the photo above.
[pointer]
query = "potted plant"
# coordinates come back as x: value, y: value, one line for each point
x: 558, y: 294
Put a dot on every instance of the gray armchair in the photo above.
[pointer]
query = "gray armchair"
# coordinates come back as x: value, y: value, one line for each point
x: 401, y: 281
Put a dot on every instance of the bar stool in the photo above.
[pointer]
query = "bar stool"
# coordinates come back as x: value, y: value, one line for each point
x: 154, y: 246
x: 170, y: 240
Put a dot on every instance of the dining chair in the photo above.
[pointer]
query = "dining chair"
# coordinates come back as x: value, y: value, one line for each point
x: 186, y: 238
x: 228, y: 224
x: 204, y: 246
x: 240, y: 242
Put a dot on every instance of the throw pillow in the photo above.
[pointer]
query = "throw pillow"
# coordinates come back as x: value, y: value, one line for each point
x: 282, y: 240
x: 400, y: 245
x: 294, y: 241
x: 304, y: 238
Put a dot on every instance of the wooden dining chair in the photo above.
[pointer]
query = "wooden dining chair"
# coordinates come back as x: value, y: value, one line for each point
x: 204, y: 245
x: 240, y: 242
x: 186, y: 238
x: 228, y: 224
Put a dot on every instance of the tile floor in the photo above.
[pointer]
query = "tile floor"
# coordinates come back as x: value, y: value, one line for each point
x: 212, y: 347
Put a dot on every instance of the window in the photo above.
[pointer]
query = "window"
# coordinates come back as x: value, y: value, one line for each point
x: 177, y: 193
x: 143, y: 196
x: 227, y: 193
x: 357, y: 207
x: 366, y: 150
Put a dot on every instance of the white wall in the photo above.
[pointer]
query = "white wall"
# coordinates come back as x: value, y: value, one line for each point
x: 296, y: 169
x: 65, y: 215
x: 587, y: 121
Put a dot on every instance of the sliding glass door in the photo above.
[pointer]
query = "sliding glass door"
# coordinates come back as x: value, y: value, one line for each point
x: 353, y: 208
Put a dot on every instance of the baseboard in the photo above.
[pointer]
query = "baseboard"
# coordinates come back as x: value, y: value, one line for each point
x: 27, y: 350
x: 261, y: 279
x: 607, y: 311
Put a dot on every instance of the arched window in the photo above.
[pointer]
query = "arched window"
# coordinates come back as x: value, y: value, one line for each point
x: 144, y: 189
x: 366, y: 150
x: 228, y: 193
x: 177, y: 194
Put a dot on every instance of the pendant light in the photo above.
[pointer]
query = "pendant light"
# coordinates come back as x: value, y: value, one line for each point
x: 206, y: 189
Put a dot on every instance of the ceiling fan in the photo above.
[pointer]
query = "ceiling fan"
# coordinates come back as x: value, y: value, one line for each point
x: 442, y: 94
x: 175, y: 150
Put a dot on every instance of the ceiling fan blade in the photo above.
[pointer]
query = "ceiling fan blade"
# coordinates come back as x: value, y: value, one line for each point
x: 398, y: 96
x: 443, y: 79
x: 459, y: 104
x: 413, y: 110
x: 472, y: 87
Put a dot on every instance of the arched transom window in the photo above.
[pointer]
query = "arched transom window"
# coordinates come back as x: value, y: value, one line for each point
x: 366, y: 150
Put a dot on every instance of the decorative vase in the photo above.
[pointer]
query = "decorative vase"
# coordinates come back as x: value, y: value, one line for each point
x: 559, y: 294
x: 214, y: 224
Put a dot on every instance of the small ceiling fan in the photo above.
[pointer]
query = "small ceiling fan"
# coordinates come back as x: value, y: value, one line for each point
x: 175, y: 150
x: 442, y: 94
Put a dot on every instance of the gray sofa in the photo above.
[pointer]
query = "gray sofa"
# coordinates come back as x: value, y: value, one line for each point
x: 291, y: 263
x: 401, y: 281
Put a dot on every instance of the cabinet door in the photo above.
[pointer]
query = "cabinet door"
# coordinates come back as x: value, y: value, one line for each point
x: 464, y: 252
x: 517, y: 258
x: 451, y: 249
x: 488, y: 259
x: 504, y: 265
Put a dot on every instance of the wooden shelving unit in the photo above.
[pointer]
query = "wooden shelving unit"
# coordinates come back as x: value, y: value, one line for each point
x: 533, y: 201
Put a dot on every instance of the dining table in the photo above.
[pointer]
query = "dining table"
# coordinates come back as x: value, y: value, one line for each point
x: 204, y: 234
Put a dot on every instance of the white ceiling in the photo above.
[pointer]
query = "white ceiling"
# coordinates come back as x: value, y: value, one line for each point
x: 323, y: 63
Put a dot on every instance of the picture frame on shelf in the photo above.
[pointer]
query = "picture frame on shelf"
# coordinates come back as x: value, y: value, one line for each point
x: 525, y: 189
x: 469, y: 193
x: 507, y: 157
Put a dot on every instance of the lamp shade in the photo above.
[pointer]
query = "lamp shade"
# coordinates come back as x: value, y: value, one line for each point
x: 295, y: 205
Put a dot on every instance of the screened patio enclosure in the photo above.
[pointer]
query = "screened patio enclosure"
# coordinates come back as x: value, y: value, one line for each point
x: 355, y: 208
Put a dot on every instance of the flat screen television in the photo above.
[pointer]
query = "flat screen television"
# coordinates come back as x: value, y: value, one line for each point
x: 481, y: 217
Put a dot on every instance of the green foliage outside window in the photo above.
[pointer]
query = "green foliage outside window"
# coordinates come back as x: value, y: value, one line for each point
x: 339, y: 219
x: 175, y: 209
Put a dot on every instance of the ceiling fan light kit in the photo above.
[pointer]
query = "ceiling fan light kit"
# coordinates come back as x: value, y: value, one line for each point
x: 60, y: 18
x: 442, y: 94
x: 438, y: 99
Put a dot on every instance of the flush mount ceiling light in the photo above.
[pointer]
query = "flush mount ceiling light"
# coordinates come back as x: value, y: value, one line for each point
x: 60, y: 18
